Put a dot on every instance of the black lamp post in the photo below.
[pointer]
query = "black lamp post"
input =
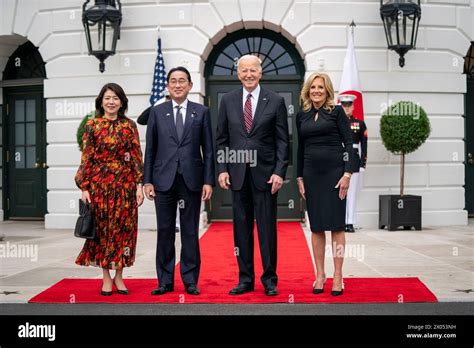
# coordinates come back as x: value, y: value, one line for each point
x: 469, y: 61
x: 401, y: 19
x: 102, y: 26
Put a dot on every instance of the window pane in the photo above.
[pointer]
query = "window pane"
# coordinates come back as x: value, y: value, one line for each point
x: 220, y: 71
x: 99, y: 40
x: 391, y: 30
x: 242, y: 46
x: 269, y: 69
x: 20, y: 157
x: 223, y: 60
x: 19, y: 111
x: 266, y: 45
x: 232, y: 51
x: 255, y: 43
x: 270, y: 72
x: 31, y: 110
x: 284, y: 60
x: 31, y: 134
x: 276, y: 51
x: 290, y: 70
x: 30, y: 156
x: 19, y: 134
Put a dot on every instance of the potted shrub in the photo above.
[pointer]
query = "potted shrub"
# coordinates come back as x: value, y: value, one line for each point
x: 80, y: 129
x: 404, y: 127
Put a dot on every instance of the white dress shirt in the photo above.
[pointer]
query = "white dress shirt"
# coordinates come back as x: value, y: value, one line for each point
x: 184, y: 107
x: 254, y: 99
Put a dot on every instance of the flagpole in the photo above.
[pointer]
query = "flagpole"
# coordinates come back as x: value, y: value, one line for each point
x: 350, y: 82
x: 159, y: 74
x: 352, y: 26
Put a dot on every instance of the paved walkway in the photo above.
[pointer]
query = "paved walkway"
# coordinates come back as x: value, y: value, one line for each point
x: 32, y: 258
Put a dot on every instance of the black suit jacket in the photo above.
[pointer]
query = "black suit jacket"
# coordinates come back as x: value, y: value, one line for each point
x: 194, y: 151
x: 268, y: 138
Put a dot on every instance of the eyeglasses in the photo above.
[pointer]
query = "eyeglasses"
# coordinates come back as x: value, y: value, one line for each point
x: 181, y: 82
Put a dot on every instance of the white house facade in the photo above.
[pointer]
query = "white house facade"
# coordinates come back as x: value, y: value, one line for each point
x: 44, y: 109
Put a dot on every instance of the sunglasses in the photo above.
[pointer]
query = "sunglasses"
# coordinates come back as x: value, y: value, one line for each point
x: 347, y: 103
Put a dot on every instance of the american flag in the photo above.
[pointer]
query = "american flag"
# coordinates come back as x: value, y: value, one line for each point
x: 159, y: 78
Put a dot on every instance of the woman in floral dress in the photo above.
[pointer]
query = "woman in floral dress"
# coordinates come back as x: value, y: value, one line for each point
x: 110, y: 177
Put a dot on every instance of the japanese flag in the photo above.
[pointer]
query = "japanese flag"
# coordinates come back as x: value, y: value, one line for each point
x: 350, y: 83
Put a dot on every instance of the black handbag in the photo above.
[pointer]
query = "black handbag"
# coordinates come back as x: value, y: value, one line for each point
x: 85, y: 225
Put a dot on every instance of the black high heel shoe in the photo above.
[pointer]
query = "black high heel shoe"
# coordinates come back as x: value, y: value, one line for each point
x: 121, y: 292
x: 319, y: 291
x: 338, y: 292
x: 105, y: 293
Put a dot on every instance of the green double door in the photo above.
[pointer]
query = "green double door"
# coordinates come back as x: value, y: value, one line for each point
x: 25, y: 154
x: 290, y: 206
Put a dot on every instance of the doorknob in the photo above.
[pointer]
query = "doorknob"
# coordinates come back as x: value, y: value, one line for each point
x: 470, y: 160
x: 45, y: 165
x: 37, y: 165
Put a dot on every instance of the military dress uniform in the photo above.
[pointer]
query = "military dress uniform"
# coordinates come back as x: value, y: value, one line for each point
x: 359, y: 135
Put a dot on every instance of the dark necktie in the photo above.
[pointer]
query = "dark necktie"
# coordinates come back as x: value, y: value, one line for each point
x: 179, y: 122
x: 248, y: 113
x: 179, y: 130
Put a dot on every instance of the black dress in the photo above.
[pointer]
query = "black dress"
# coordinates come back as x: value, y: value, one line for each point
x: 322, y: 161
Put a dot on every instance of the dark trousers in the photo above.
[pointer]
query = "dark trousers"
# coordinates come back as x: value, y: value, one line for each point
x: 247, y: 203
x: 189, y: 203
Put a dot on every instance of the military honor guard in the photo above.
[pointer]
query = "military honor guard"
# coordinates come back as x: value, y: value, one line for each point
x: 359, y: 135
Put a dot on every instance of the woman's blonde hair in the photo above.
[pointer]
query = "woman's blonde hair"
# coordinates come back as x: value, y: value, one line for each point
x: 329, y: 104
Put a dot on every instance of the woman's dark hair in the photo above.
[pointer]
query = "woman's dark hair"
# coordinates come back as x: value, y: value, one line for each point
x: 178, y: 68
x: 99, y: 110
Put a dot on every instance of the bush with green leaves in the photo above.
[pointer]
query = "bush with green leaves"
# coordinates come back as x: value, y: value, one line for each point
x: 80, y: 129
x: 404, y: 127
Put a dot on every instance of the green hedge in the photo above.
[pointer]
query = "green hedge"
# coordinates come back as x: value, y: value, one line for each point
x: 80, y: 129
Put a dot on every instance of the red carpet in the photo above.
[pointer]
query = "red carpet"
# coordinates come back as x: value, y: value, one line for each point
x: 219, y: 274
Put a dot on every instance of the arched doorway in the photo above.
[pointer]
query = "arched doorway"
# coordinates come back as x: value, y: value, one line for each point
x: 24, y: 135
x: 283, y: 72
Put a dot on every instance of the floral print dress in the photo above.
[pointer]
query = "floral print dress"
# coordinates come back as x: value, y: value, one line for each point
x: 111, y: 167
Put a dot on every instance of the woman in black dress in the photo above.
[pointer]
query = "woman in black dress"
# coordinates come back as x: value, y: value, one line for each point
x: 323, y: 172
